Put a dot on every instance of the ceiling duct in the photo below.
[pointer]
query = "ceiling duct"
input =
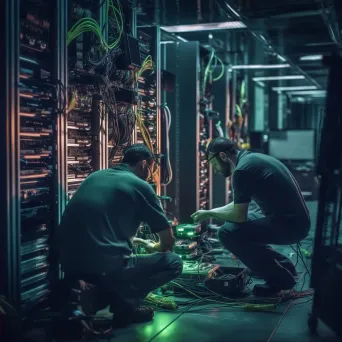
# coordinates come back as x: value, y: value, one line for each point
x: 181, y: 12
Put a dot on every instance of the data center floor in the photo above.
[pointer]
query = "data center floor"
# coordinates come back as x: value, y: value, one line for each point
x: 287, y: 323
x: 226, y: 324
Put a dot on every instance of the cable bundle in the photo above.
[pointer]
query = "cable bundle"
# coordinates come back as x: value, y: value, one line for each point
x: 166, y: 168
x: 90, y: 25
x: 210, y: 68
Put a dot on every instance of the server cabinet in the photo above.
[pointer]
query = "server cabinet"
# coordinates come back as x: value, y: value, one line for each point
x: 221, y: 104
x: 191, y: 187
x: 34, y: 102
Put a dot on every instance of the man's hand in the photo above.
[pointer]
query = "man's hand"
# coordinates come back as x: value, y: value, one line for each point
x: 151, y: 246
x: 200, y: 216
x: 137, y: 241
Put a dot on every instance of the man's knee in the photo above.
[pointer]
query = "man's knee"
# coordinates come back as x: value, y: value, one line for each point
x: 228, y: 233
x: 175, y: 264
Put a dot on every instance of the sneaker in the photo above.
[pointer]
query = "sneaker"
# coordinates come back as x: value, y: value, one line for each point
x: 138, y: 315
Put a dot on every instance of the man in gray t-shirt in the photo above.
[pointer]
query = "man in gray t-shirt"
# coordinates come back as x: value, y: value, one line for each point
x: 98, y: 228
x: 283, y: 217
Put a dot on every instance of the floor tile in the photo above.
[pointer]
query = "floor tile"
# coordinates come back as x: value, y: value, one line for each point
x: 147, y: 331
x: 294, y: 327
x: 220, y: 325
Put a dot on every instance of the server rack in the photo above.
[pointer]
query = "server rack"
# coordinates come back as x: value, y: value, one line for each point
x: 149, y: 93
x: 221, y: 104
x: 183, y: 59
x: 87, y: 116
x: 34, y: 100
x: 326, y: 278
x: 53, y: 124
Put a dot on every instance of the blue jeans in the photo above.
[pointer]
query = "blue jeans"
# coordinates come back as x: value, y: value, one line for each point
x: 250, y: 240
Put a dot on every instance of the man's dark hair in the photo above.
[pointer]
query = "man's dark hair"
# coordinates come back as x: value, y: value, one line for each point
x: 220, y: 144
x: 136, y: 153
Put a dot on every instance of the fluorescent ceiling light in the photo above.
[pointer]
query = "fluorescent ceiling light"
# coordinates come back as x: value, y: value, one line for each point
x: 261, y: 84
x: 281, y: 58
x: 316, y: 93
x: 204, y: 27
x: 294, y: 88
x: 182, y: 39
x: 311, y: 58
x: 233, y: 11
x: 261, y: 66
x: 278, y: 78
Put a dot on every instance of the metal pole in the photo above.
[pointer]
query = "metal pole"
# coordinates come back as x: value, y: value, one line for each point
x: 10, y: 152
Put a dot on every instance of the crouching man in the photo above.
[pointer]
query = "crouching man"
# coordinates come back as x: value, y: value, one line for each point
x: 97, y: 234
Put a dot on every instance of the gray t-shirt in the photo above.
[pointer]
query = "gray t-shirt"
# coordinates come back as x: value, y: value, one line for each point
x: 101, y: 219
x: 270, y: 184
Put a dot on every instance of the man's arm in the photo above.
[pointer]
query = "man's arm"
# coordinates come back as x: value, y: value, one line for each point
x: 232, y: 212
x: 236, y: 211
x: 153, y: 214
x: 166, y: 242
x: 138, y: 241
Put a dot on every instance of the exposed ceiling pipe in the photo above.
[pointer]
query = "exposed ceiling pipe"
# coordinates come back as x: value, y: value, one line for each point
x: 333, y: 28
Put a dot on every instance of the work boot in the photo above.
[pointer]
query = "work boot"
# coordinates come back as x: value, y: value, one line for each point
x: 269, y: 290
x: 137, y: 315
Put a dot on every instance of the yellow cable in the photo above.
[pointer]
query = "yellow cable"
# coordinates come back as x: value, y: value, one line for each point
x: 73, y: 101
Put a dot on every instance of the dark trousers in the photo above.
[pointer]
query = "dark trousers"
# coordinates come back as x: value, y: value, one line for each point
x: 127, y: 287
x: 250, y: 240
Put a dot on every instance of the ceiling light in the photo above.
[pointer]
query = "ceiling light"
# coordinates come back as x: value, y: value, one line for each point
x: 299, y: 99
x: 281, y: 58
x: 233, y: 11
x: 294, y: 88
x: 261, y: 84
x: 204, y: 27
x: 181, y: 38
x: 316, y: 93
x: 278, y: 78
x: 261, y: 66
x: 311, y: 58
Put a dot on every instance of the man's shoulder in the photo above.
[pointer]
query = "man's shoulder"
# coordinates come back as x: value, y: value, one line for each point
x: 254, y: 159
x: 129, y: 178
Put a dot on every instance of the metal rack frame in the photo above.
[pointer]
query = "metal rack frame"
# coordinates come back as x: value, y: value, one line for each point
x: 9, y: 147
x: 183, y: 60
x: 326, y: 276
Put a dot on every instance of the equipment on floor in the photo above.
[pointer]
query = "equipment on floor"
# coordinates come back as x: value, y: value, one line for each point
x: 229, y: 285
x: 188, y: 230
x: 200, y: 270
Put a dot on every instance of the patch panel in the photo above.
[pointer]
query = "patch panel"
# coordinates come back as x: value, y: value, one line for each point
x: 38, y: 101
